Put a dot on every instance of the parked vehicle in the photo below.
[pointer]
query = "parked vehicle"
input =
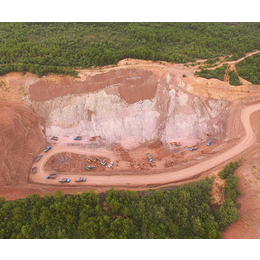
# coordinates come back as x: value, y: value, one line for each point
x: 34, y: 169
x: 79, y: 179
x: 209, y: 142
x: 54, y: 138
x: 149, y: 157
x: 89, y: 167
x: 47, y: 149
x: 110, y: 165
x: 51, y: 176
x: 78, y: 138
x: 38, y: 157
x: 62, y: 180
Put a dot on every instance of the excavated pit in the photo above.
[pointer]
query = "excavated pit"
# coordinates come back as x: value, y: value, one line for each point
x: 128, y: 106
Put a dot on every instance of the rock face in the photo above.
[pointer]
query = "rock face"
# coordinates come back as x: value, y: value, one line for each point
x: 128, y: 105
x: 21, y: 138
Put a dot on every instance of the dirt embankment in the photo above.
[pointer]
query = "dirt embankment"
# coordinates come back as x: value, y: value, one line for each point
x: 21, y: 139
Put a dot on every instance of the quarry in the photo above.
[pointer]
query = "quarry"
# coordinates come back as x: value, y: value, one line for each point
x: 136, y: 108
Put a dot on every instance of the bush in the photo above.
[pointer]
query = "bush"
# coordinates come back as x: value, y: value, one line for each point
x: 217, y: 73
x: 233, y: 78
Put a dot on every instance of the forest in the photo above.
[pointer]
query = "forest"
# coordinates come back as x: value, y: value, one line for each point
x: 60, y: 48
x: 217, y: 73
x: 180, y: 212
x: 249, y: 68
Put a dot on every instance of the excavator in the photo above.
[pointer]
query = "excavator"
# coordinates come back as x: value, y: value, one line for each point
x: 101, y: 162
x: 94, y: 138
x: 176, y: 143
x: 89, y: 167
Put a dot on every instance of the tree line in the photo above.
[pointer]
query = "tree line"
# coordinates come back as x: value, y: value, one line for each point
x: 45, y: 47
x: 175, y: 212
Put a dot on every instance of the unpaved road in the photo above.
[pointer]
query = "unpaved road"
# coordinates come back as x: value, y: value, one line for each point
x: 129, y: 181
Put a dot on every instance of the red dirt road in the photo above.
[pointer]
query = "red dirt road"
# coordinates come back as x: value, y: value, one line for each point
x: 165, y: 178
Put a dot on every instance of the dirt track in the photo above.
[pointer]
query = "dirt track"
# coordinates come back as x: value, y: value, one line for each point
x: 129, y: 181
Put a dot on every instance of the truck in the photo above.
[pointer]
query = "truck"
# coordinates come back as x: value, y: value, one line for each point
x: 47, y: 149
x: 54, y: 138
x: 34, y: 169
x: 149, y: 157
x: 209, y: 142
x: 79, y: 179
x: 101, y: 162
x: 51, y: 176
x: 77, y: 138
x: 193, y: 148
x: 89, y: 167
x: 62, y: 180
x: 110, y: 165
x: 38, y: 157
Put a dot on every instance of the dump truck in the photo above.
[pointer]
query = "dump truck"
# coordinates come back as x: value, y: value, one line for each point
x: 54, y: 138
x: 79, y: 179
x: 193, y: 148
x: 110, y: 165
x: 94, y: 138
x: 89, y: 167
x: 77, y: 137
x: 38, y: 157
x: 47, y: 149
x: 51, y: 176
x: 34, y: 169
x: 62, y: 180
x: 209, y: 142
x: 149, y: 157
x: 101, y: 162
x: 176, y: 143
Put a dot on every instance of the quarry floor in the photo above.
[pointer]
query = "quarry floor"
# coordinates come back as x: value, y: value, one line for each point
x: 67, y: 158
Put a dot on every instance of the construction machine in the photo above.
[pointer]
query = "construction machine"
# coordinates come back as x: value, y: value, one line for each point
x: 110, y: 165
x: 47, y: 149
x: 94, y: 138
x: 38, y: 157
x: 209, y: 142
x: 51, y: 176
x: 89, y: 167
x: 101, y: 162
x: 77, y: 138
x: 62, y: 180
x: 89, y: 160
x: 80, y: 179
x: 176, y: 143
x: 149, y: 157
x: 34, y: 169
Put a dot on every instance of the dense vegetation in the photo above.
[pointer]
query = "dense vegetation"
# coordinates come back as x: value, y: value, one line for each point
x: 218, y: 73
x: 233, y: 78
x: 44, y: 48
x: 175, y: 212
x: 249, y: 68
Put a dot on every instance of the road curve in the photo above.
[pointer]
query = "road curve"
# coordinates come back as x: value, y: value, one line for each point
x: 154, y: 179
